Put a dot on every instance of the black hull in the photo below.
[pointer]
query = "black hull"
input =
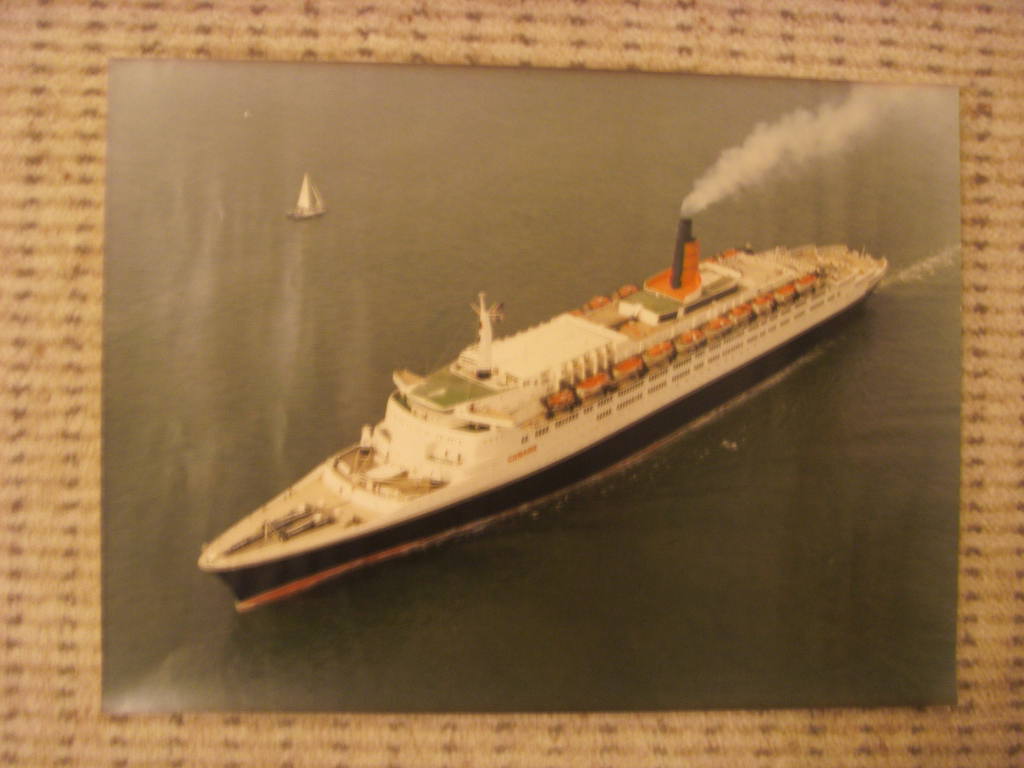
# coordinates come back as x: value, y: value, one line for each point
x: 276, y: 580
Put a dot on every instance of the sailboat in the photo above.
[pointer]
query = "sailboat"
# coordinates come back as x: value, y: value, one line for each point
x: 310, y: 203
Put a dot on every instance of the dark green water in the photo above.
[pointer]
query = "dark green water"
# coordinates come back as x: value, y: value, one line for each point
x: 796, y: 548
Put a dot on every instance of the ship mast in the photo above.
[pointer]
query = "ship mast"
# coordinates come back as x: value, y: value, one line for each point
x: 486, y: 315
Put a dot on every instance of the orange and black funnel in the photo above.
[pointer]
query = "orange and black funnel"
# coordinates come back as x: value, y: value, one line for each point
x: 686, y: 258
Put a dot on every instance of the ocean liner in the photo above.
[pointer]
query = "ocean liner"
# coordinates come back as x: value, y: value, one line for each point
x: 513, y: 419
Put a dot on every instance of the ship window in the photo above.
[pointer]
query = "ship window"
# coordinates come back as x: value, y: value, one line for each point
x: 629, y: 402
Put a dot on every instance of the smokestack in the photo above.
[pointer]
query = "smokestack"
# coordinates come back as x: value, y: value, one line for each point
x: 684, y: 245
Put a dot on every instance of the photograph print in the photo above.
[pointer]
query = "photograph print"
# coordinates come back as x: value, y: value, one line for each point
x: 436, y: 389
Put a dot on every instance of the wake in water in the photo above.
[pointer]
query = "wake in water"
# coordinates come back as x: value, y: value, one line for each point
x: 922, y: 270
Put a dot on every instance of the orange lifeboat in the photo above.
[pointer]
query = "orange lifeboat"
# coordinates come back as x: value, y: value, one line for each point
x: 741, y: 312
x: 627, y: 290
x: 562, y: 400
x: 594, y: 385
x: 690, y: 339
x: 763, y: 304
x: 807, y: 284
x: 628, y: 368
x: 598, y: 301
x: 718, y: 327
x: 661, y: 352
x: 785, y: 293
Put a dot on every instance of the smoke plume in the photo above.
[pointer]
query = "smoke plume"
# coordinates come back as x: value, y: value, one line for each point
x: 790, y: 143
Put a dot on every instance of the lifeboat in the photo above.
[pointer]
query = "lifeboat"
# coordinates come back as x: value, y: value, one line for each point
x: 627, y: 290
x: 720, y: 326
x: 785, y: 293
x: 661, y: 352
x: 741, y: 312
x: 594, y: 385
x: 763, y: 304
x: 690, y: 339
x: 807, y: 284
x: 598, y: 301
x: 628, y: 368
x: 562, y: 400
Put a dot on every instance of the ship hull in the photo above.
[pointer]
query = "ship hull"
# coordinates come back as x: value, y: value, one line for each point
x: 301, y: 215
x: 270, y: 581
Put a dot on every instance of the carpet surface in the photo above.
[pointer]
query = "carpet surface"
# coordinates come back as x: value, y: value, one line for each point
x: 53, y: 75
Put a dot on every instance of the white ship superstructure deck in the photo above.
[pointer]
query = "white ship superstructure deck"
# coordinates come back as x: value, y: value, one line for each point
x: 544, y: 353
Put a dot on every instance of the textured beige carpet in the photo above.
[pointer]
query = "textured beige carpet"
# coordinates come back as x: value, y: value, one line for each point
x: 53, y: 65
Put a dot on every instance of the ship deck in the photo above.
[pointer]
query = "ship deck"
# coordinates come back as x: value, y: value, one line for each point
x: 444, y: 389
x: 365, y: 470
x: 261, y: 534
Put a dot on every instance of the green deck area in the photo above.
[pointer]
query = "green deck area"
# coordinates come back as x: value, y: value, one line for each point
x: 659, y: 305
x: 444, y: 389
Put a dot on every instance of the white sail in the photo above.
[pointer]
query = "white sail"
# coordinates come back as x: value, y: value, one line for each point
x: 305, y: 198
x: 310, y: 203
x: 314, y: 193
